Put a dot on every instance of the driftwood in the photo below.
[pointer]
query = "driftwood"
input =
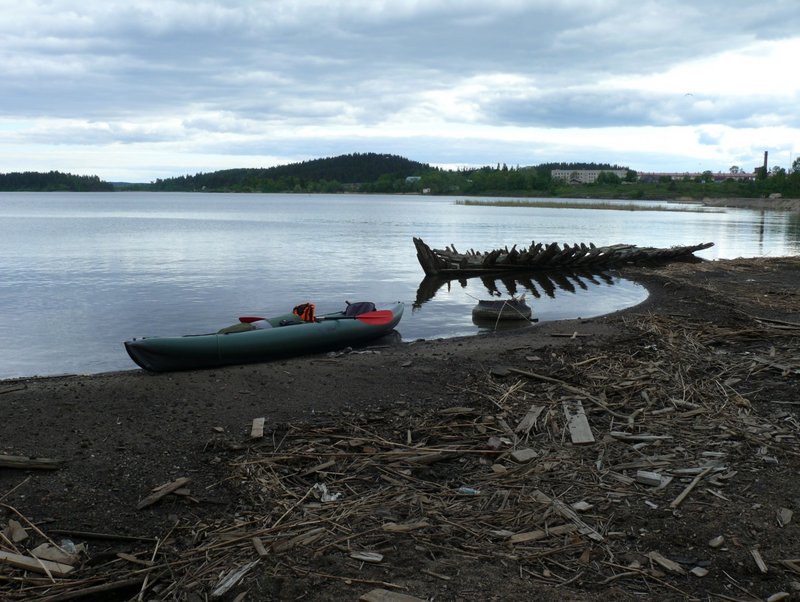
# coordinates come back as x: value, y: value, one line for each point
x: 449, y: 262
x: 498, y: 483
x: 26, y: 463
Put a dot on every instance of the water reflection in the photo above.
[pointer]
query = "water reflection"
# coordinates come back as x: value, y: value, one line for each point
x: 537, y: 284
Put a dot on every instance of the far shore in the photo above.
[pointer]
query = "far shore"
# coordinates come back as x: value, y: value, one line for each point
x: 745, y: 203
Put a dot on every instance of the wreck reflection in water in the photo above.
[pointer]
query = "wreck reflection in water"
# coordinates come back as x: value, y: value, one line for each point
x: 441, y: 309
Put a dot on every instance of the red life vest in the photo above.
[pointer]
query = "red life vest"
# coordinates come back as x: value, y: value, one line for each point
x: 305, y: 312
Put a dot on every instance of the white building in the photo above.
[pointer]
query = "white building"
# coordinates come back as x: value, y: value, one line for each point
x: 584, y: 176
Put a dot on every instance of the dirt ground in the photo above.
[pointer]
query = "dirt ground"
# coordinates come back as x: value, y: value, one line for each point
x: 452, y: 463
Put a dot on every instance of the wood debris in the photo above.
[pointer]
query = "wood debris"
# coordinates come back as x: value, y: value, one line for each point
x: 162, y: 491
x: 670, y: 439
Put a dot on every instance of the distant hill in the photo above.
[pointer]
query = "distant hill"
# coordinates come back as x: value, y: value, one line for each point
x: 356, y: 168
x: 53, y: 181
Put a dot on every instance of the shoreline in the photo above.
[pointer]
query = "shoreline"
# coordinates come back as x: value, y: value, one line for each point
x: 704, y: 365
x: 749, y: 203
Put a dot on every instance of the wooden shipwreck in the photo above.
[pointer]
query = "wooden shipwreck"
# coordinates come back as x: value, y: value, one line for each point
x: 541, y: 256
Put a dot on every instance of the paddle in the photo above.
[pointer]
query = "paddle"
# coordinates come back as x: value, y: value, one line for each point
x: 374, y: 318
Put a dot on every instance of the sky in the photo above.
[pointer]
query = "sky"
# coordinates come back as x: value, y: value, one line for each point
x: 138, y: 90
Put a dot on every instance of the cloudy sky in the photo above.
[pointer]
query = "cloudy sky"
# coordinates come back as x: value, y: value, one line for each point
x: 137, y: 90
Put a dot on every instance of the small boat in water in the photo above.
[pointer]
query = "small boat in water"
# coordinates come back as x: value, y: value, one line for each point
x: 257, y: 339
x: 502, y: 309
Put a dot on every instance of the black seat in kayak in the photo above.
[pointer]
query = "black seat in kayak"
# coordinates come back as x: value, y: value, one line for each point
x: 356, y: 309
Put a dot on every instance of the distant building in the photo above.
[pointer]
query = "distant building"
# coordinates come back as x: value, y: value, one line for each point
x: 717, y: 177
x: 412, y: 179
x: 584, y: 176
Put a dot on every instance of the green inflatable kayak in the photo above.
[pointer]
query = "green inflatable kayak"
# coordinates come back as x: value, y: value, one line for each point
x: 262, y: 339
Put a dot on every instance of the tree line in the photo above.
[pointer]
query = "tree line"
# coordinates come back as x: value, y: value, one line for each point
x: 384, y: 173
x: 52, y: 181
x: 356, y: 171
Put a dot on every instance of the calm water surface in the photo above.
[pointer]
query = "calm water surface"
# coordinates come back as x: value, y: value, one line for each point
x: 80, y: 273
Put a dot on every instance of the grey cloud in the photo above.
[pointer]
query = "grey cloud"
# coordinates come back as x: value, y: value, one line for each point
x: 240, y: 67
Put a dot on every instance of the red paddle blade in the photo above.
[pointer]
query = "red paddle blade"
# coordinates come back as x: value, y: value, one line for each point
x: 376, y: 318
x: 248, y: 319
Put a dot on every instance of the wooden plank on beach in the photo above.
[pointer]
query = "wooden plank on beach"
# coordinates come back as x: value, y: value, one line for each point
x: 26, y: 463
x: 579, y: 430
x: 162, y: 491
x: 528, y: 422
x: 30, y: 563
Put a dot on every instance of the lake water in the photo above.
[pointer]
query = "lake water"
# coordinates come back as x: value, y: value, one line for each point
x: 80, y: 273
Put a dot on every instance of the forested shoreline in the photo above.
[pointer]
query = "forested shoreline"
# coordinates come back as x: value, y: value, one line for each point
x: 392, y: 174
x: 52, y: 181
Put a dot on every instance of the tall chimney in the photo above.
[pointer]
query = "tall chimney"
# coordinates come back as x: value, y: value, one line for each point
x: 765, y: 162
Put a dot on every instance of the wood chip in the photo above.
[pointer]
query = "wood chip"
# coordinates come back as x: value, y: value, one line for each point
x: 373, y: 557
x: 318, y: 468
x: 523, y: 455
x: 30, y: 563
x: 162, y: 491
x: 133, y: 559
x: 530, y: 419
x: 15, y: 531
x: 666, y: 563
x: 579, y: 430
x: 541, y: 534
x: 677, y: 501
x: 257, y: 430
x: 405, y: 527
x: 259, y: 547
x: 762, y: 566
x: 231, y: 579
x: 646, y: 477
x: 792, y: 564
x: 48, y: 551
x: 568, y: 513
x: 384, y: 595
